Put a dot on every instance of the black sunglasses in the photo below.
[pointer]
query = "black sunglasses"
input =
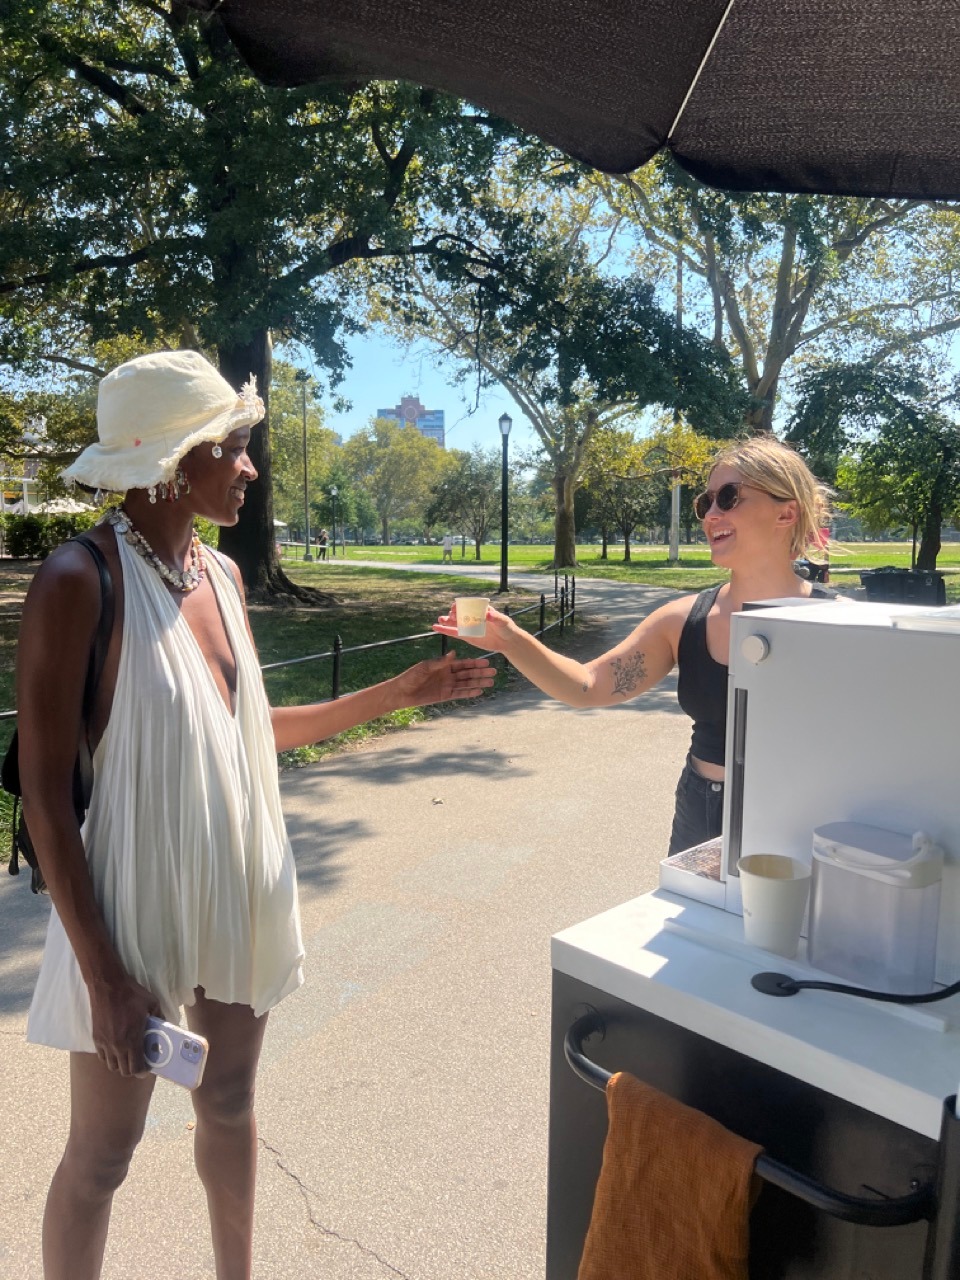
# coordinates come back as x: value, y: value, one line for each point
x: 726, y: 497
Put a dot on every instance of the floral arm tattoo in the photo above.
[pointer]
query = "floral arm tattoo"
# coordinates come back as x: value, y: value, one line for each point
x: 627, y: 672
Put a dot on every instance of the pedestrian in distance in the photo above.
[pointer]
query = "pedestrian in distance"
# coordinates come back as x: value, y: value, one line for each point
x: 180, y: 889
x: 761, y: 510
x: 323, y: 539
x: 447, y: 548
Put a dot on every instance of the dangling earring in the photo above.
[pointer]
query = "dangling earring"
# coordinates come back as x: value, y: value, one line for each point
x: 181, y: 482
x: 164, y: 491
x: 217, y: 451
x: 152, y: 493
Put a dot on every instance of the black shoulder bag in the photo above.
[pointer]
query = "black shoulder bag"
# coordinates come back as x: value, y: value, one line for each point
x: 21, y: 844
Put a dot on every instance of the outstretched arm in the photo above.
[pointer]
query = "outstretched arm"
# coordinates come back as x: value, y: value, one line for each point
x: 435, y: 680
x: 630, y: 668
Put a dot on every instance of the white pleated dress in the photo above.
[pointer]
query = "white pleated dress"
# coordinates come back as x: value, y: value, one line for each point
x: 185, y: 837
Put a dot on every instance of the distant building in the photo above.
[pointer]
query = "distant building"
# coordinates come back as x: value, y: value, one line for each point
x: 410, y: 412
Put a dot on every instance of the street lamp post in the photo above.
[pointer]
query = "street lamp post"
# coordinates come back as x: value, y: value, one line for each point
x: 674, y: 553
x: 506, y: 422
x: 303, y: 378
x: 333, y: 517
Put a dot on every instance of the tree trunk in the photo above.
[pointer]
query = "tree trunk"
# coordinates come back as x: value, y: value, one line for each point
x: 565, y: 530
x: 476, y: 549
x: 930, y: 538
x: 385, y: 531
x: 626, y: 546
x: 759, y: 419
x: 603, y: 548
x: 252, y: 541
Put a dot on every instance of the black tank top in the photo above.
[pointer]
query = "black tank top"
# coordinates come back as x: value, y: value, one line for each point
x: 702, y: 682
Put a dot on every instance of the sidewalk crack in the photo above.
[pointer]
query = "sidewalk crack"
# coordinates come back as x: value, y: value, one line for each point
x: 306, y: 1192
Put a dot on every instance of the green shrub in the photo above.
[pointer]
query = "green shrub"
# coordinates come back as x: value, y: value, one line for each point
x: 208, y: 531
x: 25, y: 536
x: 33, y: 537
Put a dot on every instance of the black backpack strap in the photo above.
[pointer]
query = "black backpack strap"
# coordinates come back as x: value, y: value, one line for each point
x: 83, y: 773
x: 98, y: 658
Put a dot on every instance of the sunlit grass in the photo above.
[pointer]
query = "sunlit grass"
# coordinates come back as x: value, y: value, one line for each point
x: 648, y: 564
x: 539, y: 558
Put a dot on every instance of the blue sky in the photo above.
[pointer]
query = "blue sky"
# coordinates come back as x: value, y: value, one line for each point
x: 383, y: 371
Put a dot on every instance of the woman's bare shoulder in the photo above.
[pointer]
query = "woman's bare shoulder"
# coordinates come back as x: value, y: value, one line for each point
x: 67, y: 585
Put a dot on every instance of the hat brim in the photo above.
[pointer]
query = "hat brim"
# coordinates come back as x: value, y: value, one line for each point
x: 102, y: 467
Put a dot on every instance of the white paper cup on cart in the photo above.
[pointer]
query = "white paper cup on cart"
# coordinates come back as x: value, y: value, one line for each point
x: 773, y: 891
x: 471, y: 615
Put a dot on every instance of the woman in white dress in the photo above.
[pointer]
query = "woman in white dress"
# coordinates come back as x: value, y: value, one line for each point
x: 180, y: 889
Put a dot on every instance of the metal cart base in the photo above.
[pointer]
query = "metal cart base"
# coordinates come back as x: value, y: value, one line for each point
x: 822, y: 1137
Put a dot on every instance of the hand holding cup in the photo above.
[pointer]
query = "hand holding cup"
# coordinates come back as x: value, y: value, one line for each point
x: 473, y: 619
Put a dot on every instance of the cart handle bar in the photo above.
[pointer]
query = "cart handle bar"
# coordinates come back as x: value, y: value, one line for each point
x: 895, y: 1212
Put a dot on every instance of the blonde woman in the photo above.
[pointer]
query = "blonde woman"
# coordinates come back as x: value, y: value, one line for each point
x: 762, y: 509
x: 180, y: 891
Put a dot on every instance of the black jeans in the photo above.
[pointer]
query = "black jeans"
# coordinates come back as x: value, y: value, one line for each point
x: 698, y: 813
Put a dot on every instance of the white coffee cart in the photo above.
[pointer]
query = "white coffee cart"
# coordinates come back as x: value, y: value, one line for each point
x: 849, y: 715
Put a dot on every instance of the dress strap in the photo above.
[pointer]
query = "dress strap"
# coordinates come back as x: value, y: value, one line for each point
x: 225, y: 565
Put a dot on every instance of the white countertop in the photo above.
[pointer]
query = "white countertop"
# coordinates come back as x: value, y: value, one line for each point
x: 687, y: 962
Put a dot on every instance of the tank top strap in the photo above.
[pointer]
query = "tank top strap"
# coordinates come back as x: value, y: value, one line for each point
x: 694, y: 632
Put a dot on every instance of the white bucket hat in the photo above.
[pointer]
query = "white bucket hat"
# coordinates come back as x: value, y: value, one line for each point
x: 153, y: 410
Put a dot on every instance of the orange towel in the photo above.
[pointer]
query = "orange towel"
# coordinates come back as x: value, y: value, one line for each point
x: 674, y: 1195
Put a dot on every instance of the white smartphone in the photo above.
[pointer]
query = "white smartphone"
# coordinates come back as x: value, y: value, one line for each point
x: 173, y: 1053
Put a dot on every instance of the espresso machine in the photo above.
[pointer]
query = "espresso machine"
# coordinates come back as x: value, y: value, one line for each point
x: 842, y: 745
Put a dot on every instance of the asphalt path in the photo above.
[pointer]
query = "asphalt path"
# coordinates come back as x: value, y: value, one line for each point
x: 403, y: 1095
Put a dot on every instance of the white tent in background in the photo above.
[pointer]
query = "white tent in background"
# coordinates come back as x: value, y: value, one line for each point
x: 61, y: 507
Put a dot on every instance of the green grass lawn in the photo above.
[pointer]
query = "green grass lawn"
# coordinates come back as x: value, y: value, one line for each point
x: 647, y: 565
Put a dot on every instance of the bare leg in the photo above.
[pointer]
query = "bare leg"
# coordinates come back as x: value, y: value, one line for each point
x: 107, y: 1114
x: 226, y: 1134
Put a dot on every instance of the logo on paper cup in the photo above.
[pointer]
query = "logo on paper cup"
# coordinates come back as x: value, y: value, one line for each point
x: 472, y: 615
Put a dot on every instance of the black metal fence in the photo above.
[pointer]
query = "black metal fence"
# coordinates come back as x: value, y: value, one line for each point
x: 565, y: 598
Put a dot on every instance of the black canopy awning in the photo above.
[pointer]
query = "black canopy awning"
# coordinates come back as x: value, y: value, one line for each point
x: 858, y: 97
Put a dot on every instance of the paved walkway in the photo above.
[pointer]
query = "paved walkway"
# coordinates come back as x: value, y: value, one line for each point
x: 403, y: 1095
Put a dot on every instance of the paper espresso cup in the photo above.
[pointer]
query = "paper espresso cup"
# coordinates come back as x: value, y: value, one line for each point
x: 471, y: 615
x: 773, y: 892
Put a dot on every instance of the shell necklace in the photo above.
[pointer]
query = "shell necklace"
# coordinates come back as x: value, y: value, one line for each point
x: 180, y: 579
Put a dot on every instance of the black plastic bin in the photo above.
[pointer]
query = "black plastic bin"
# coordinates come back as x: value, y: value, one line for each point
x: 890, y: 585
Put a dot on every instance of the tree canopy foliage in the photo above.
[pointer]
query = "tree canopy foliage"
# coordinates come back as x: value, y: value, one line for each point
x: 889, y: 439
x: 786, y: 281
x: 397, y: 466
x: 151, y: 185
x: 575, y: 345
x: 466, y: 497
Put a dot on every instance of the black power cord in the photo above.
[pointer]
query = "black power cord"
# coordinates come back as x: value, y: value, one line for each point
x: 781, y: 984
